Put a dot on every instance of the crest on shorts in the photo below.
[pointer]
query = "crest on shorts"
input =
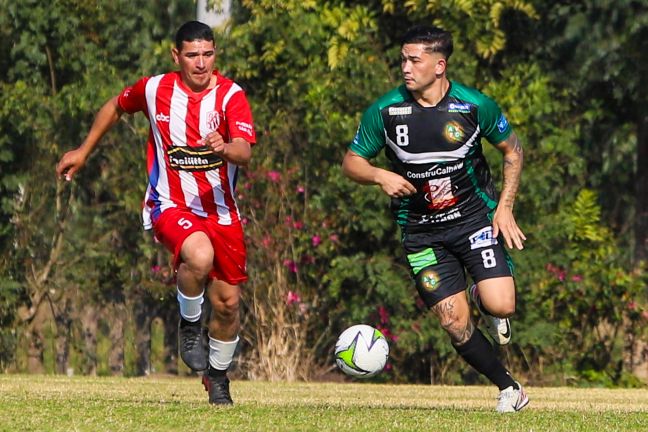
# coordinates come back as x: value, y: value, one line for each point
x: 429, y: 280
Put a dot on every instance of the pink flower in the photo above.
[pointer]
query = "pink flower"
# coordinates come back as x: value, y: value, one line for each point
x: 316, y: 240
x: 383, y: 314
x: 245, y: 221
x: 387, y: 333
x: 298, y: 225
x: 632, y: 305
x: 292, y: 297
x: 266, y: 241
x: 155, y: 269
x: 291, y: 265
x: 334, y: 238
x: 577, y: 278
x: 561, y: 275
x: 274, y: 176
x: 300, y: 189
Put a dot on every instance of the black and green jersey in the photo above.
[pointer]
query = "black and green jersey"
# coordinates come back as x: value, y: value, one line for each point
x: 437, y: 149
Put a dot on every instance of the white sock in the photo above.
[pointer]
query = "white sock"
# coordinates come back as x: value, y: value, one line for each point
x: 190, y: 307
x: 221, y: 353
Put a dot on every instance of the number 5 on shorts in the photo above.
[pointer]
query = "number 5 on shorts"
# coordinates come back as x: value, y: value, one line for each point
x: 184, y: 223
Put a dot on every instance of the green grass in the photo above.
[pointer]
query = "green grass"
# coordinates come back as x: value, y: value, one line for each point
x: 57, y: 403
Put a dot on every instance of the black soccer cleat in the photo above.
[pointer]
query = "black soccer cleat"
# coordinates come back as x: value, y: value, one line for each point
x: 218, y: 389
x: 192, y: 344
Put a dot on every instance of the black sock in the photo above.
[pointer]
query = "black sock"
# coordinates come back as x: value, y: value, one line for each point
x: 479, y: 354
x: 216, y: 372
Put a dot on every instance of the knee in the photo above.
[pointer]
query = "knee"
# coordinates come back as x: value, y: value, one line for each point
x: 503, y: 309
x: 458, y: 329
x: 225, y: 308
x: 200, y: 260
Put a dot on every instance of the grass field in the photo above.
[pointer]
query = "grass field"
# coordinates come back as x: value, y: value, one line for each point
x: 57, y: 403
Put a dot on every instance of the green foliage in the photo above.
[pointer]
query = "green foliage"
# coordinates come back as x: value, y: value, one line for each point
x: 588, y: 296
x: 323, y: 252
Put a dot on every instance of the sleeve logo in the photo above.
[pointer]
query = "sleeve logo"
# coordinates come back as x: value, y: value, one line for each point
x: 502, y: 123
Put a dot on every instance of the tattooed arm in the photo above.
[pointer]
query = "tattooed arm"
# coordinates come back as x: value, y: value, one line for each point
x: 504, y: 221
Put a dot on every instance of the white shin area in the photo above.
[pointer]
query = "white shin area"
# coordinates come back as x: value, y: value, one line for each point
x: 221, y: 353
x: 190, y: 307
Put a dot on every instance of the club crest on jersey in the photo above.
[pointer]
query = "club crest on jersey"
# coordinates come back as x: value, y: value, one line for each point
x: 453, y: 132
x: 213, y: 120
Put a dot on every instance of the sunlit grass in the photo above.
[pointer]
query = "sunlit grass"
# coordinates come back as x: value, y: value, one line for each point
x: 37, y: 402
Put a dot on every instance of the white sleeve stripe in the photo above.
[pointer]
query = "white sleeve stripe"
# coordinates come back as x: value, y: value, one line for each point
x: 233, y: 90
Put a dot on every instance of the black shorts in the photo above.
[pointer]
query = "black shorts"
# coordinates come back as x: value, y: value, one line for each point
x: 437, y: 258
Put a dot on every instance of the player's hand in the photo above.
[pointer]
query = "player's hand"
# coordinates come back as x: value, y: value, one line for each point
x: 504, y: 223
x: 215, y: 141
x: 394, y: 185
x: 70, y: 163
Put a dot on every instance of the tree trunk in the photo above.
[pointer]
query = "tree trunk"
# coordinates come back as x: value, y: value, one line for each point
x: 63, y: 320
x: 117, y: 312
x: 641, y: 193
x: 170, y: 316
x: 36, y: 340
x: 89, y: 324
x: 143, y: 312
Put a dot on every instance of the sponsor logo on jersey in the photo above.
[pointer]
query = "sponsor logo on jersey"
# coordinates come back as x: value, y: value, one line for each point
x: 397, y: 111
x: 438, y: 218
x: 453, y: 132
x: 429, y: 280
x: 213, y: 120
x: 435, y: 170
x: 244, y: 127
x: 183, y: 158
x: 162, y: 118
x: 502, y: 123
x: 482, y: 238
x: 438, y: 193
x: 459, y: 107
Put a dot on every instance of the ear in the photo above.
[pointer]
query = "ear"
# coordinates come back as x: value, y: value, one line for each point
x: 440, y: 66
x: 175, y: 54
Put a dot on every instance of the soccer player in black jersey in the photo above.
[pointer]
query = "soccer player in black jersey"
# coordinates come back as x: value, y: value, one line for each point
x: 444, y: 200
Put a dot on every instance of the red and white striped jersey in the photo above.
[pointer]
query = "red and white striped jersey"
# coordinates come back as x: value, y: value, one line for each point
x: 181, y: 173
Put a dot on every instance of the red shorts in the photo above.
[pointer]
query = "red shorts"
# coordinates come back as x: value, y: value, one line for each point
x: 175, y: 225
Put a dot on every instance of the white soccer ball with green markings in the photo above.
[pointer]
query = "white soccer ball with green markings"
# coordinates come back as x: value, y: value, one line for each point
x: 361, y: 351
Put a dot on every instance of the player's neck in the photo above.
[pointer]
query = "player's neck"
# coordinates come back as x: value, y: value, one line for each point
x: 432, y: 94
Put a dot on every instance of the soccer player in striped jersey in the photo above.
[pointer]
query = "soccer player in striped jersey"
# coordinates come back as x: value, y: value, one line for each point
x: 444, y: 200
x: 201, y: 132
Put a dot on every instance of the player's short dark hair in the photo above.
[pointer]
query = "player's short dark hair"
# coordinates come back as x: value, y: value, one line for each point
x: 435, y: 39
x: 191, y: 31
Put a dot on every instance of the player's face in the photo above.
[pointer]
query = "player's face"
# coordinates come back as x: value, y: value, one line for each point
x: 420, y: 68
x: 196, y: 61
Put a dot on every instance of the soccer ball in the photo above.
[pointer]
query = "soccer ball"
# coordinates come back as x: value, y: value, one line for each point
x: 361, y: 351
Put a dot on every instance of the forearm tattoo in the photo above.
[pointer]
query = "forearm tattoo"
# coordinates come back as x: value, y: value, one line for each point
x: 512, y: 170
x: 458, y: 330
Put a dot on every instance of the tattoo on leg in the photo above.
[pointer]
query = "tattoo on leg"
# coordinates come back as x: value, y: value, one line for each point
x: 451, y: 322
